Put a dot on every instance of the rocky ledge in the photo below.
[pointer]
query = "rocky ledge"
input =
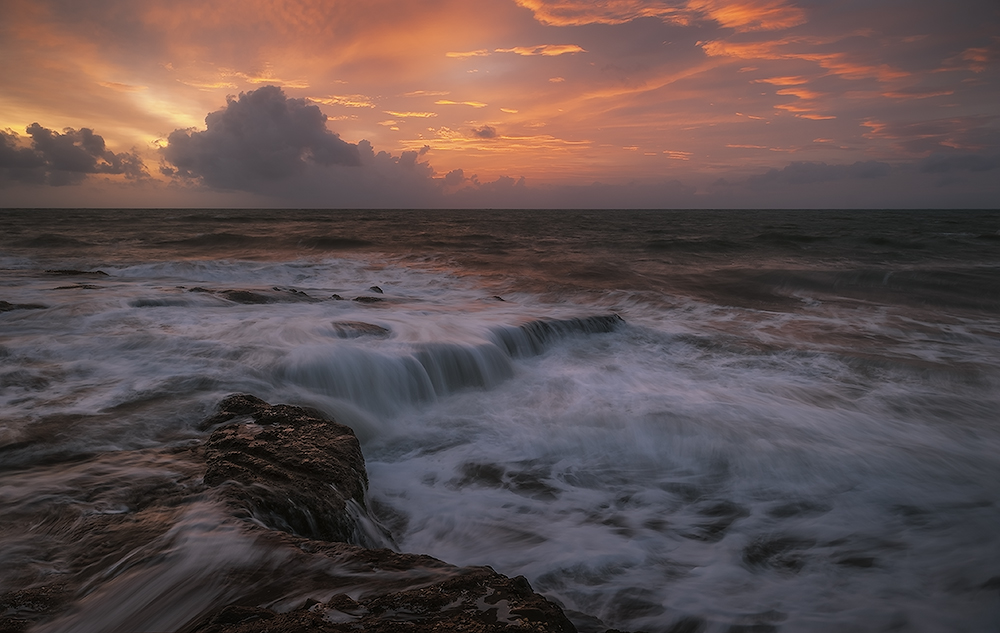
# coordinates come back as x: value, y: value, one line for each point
x: 263, y: 527
x: 294, y: 471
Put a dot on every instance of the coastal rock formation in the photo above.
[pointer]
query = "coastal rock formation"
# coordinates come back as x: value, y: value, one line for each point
x: 263, y: 527
x: 292, y: 470
x: 295, y: 471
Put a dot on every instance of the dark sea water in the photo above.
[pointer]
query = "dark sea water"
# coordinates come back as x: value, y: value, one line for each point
x: 796, y: 426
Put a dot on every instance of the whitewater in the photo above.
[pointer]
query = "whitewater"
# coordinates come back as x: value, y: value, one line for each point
x: 776, y: 420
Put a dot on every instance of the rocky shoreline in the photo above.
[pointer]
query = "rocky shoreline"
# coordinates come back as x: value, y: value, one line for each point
x: 287, y: 485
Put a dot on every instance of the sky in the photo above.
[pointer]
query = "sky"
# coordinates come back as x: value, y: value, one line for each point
x: 500, y: 103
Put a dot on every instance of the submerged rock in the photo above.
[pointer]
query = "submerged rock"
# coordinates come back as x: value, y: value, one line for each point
x: 77, y: 273
x: 6, y: 306
x: 356, y: 329
x: 245, y: 297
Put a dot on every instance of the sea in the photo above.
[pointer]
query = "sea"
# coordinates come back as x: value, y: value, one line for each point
x: 741, y: 420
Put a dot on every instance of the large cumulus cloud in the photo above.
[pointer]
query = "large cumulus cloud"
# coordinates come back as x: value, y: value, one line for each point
x: 260, y: 136
x: 60, y: 159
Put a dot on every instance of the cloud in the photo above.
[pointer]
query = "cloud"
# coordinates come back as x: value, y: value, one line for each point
x: 462, y: 55
x: 454, y: 178
x: 260, y: 136
x: 964, y: 133
x: 474, y: 104
x: 740, y: 15
x: 547, y: 50
x: 945, y: 163
x: 803, y: 173
x: 349, y: 101
x: 61, y: 159
x: 411, y: 115
x: 486, y: 131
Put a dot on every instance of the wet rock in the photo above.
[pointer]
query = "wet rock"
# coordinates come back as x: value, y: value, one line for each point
x: 78, y: 287
x: 357, y: 329
x: 368, y: 299
x: 138, y: 560
x: 20, y: 610
x: 336, y: 297
x: 6, y: 306
x: 78, y: 273
x: 245, y: 297
x: 376, y: 289
x: 474, y: 600
x: 290, y: 469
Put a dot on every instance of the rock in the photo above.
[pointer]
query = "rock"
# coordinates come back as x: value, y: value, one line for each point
x: 20, y: 610
x: 93, y: 273
x: 292, y: 470
x: 78, y: 287
x: 245, y: 296
x: 474, y: 600
x: 7, y: 306
x: 376, y: 289
x: 284, y: 488
x: 356, y: 329
x: 368, y: 299
x: 336, y: 297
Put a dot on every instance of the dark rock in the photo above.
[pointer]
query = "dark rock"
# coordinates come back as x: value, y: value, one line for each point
x: 498, y: 297
x: 92, y: 273
x: 356, y: 329
x: 20, y: 610
x: 376, y: 289
x: 78, y: 287
x: 290, y: 469
x: 275, y: 459
x: 245, y: 297
x: 7, y: 306
x: 336, y: 297
x: 368, y: 299
x: 199, y: 289
x: 474, y: 600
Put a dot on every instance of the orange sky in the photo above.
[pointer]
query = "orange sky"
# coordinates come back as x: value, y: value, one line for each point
x: 665, y: 102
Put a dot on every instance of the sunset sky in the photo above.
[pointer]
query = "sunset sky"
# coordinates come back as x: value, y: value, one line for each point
x: 500, y: 103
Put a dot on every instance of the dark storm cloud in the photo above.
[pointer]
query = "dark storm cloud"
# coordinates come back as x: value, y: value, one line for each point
x: 60, y: 159
x: 260, y: 136
x: 803, y: 173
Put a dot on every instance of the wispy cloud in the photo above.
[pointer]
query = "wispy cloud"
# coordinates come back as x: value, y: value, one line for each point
x: 348, y: 101
x: 474, y: 104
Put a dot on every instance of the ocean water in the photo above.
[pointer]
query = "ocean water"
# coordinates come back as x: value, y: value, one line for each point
x: 775, y: 420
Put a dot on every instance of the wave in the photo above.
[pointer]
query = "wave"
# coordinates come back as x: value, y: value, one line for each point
x: 386, y: 383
